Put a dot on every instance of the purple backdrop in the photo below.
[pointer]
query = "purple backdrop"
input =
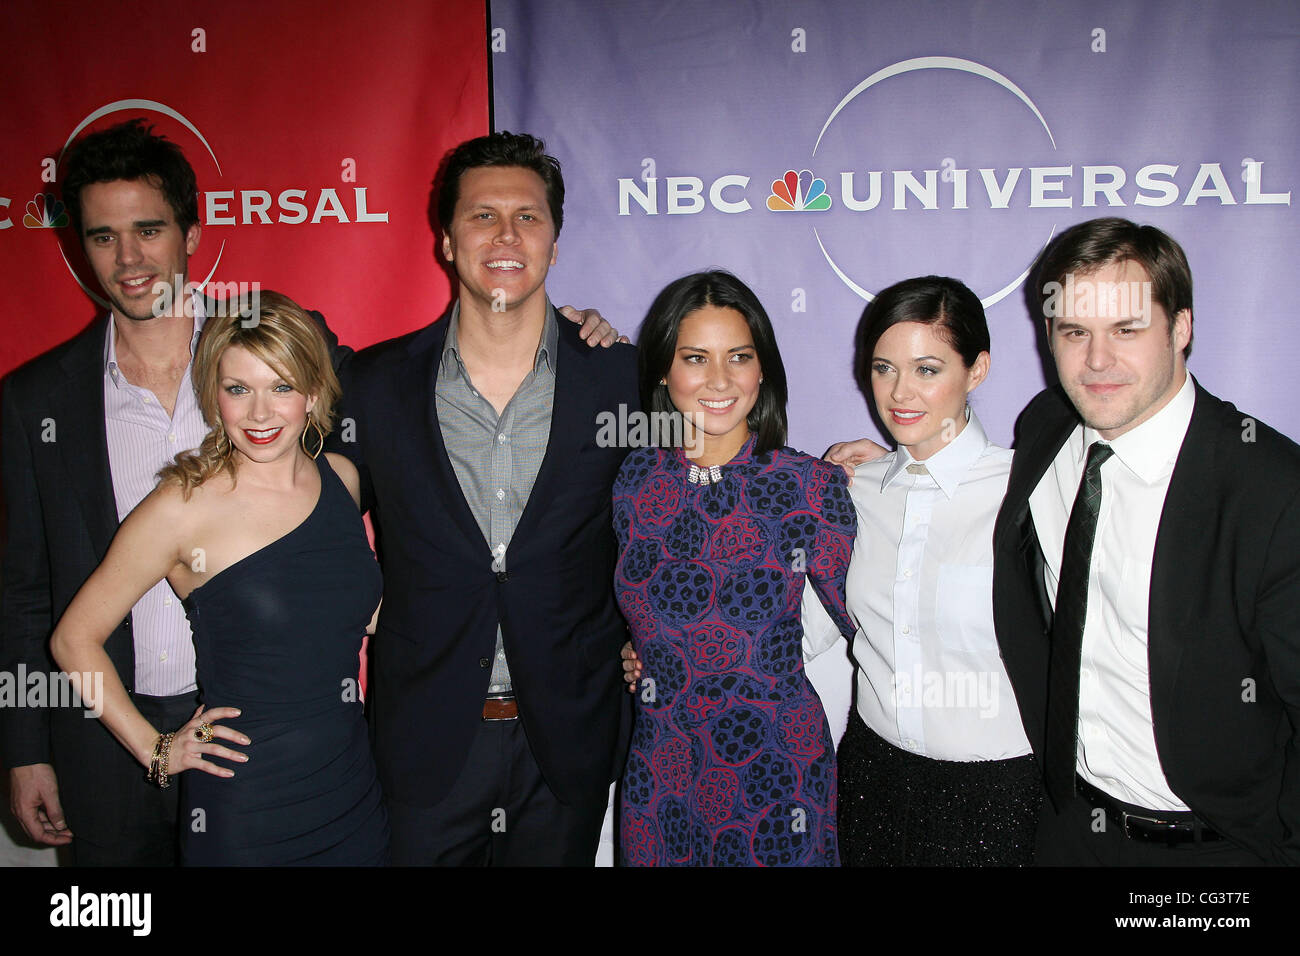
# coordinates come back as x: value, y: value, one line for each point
x: 674, y: 119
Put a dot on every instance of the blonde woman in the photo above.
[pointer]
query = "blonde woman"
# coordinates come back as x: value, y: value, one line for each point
x: 258, y: 533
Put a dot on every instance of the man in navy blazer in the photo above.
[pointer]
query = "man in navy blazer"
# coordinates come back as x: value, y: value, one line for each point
x: 496, y: 707
x: 1179, y: 709
x: 86, y: 426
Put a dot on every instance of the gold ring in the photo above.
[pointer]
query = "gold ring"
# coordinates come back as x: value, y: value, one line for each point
x: 203, y: 732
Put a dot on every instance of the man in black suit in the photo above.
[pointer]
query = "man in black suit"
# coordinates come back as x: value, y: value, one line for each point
x: 496, y: 706
x: 86, y: 427
x: 118, y: 395
x: 1147, y: 578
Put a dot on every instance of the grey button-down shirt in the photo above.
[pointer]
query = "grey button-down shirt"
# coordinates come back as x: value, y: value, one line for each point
x: 496, y: 458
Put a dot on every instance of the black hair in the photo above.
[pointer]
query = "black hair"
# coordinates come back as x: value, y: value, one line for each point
x: 657, y: 348
x: 945, y: 303
x: 131, y: 151
x: 500, y: 149
x: 1097, y: 243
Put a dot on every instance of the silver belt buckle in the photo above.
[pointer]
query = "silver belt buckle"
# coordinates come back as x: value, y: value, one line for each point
x: 1167, y: 826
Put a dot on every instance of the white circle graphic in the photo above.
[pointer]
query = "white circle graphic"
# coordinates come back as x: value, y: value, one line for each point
x: 117, y: 107
x: 911, y: 66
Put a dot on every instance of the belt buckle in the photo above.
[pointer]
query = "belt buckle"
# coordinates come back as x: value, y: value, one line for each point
x: 1124, y: 817
x: 1161, y: 831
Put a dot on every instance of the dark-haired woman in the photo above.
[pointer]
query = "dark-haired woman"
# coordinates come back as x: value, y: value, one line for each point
x: 934, y: 766
x: 731, y: 762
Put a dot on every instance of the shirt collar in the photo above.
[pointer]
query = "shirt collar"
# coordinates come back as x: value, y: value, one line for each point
x: 949, y: 465
x: 1150, y: 449
x: 110, y: 340
x: 546, y: 348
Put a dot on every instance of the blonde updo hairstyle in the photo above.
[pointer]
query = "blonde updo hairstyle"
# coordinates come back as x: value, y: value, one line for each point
x: 287, y: 339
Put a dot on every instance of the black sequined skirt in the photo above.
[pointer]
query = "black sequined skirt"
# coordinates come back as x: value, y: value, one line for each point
x: 900, y: 809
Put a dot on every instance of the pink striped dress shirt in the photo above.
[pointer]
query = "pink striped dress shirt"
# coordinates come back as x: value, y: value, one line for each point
x: 142, y: 440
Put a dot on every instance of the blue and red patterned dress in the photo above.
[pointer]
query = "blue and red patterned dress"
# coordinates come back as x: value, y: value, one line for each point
x: 731, y: 762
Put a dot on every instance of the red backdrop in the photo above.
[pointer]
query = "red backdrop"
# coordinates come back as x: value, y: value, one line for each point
x: 288, y: 97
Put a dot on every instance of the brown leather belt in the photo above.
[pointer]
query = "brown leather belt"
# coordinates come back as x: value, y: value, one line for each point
x: 500, y: 708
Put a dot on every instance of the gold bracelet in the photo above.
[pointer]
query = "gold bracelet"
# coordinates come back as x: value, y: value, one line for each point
x: 152, y: 773
x: 158, y: 762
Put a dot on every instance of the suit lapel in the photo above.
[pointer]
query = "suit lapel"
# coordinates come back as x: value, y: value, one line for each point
x: 422, y: 372
x: 1015, y: 537
x: 1187, y: 515
x: 1031, y: 462
x: 78, y: 412
x: 567, y: 432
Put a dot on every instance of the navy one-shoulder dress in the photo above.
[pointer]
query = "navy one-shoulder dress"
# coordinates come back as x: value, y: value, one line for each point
x: 277, y: 634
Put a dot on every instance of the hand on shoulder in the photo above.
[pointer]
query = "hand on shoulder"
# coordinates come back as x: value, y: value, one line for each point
x: 849, y: 454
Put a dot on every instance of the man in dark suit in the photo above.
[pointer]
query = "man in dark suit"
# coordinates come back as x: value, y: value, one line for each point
x: 1147, y: 578
x: 85, y: 428
x: 496, y: 706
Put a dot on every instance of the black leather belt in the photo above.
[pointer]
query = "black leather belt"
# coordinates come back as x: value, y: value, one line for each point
x: 1152, y: 826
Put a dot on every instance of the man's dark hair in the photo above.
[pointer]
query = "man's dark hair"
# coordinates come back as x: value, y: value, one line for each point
x: 131, y: 151
x: 1097, y: 243
x: 657, y: 348
x: 952, y: 308
x: 501, y: 149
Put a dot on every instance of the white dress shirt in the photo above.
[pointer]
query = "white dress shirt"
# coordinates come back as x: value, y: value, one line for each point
x: 1117, y: 746
x: 930, y: 678
x: 142, y: 440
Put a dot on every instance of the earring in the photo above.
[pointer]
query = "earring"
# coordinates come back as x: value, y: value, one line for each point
x: 760, y: 380
x: 320, y: 439
x: 224, y: 447
x: 663, y: 381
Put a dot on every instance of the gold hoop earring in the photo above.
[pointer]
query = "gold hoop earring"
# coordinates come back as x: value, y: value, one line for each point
x: 224, y: 446
x: 320, y: 439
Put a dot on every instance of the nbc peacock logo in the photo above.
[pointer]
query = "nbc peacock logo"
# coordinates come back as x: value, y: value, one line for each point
x: 45, y: 211
x: 799, y: 192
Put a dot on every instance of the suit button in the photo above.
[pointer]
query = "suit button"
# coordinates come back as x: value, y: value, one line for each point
x: 483, y: 662
x: 501, y: 576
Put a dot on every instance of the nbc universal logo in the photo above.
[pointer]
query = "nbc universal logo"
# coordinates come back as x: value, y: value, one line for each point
x: 291, y: 206
x: 944, y: 185
x: 219, y: 207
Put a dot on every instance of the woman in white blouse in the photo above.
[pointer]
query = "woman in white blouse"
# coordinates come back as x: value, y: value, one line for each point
x: 934, y: 768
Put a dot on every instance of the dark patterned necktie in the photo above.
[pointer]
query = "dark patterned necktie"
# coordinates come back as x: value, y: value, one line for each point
x: 1061, y: 748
